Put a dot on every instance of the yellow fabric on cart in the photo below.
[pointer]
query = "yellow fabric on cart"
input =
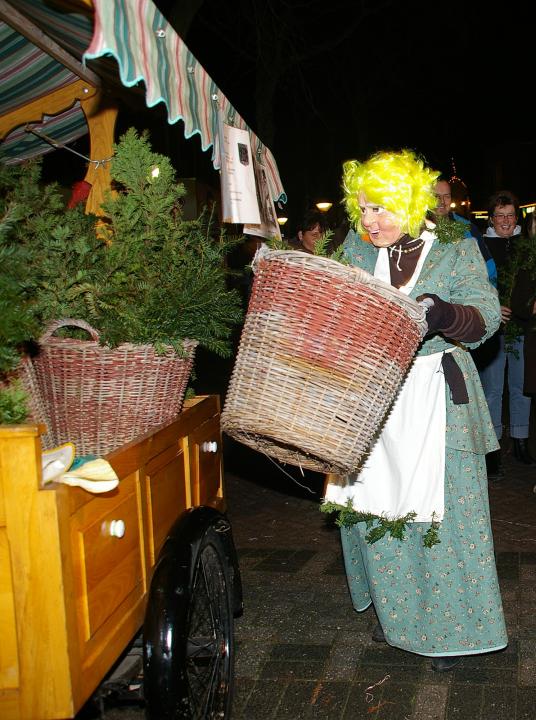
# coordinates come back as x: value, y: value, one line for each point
x: 95, y: 475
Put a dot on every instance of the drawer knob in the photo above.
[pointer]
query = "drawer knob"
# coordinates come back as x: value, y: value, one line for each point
x: 117, y: 528
x: 209, y: 446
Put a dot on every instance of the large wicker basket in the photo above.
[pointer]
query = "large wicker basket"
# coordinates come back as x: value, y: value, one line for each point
x: 323, y: 352
x: 98, y: 397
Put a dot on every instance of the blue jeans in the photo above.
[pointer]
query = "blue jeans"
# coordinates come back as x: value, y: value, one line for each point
x: 492, y: 378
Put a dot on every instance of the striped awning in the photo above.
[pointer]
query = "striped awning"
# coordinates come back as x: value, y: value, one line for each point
x: 28, y: 73
x: 145, y: 47
x: 148, y: 49
x: 62, y: 129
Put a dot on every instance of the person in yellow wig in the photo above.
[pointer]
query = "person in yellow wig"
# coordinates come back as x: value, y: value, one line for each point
x: 416, y: 532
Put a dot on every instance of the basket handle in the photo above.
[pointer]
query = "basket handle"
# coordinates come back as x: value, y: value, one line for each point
x: 68, y: 322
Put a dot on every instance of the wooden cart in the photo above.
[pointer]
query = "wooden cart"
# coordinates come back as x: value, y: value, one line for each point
x: 75, y: 586
x: 76, y: 568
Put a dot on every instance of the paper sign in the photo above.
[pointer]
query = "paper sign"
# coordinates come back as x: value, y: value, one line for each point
x: 268, y: 226
x: 239, y: 195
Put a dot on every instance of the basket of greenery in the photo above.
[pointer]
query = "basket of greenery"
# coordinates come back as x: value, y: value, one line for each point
x: 148, y: 286
x: 100, y: 397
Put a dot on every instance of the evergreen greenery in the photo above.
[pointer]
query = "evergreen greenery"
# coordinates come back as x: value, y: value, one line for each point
x: 21, y: 202
x: 147, y: 276
x: 16, y: 322
x: 322, y: 247
x: 377, y: 525
x: 13, y: 404
x: 448, y: 230
x: 524, y: 258
x: 431, y: 536
x: 142, y: 274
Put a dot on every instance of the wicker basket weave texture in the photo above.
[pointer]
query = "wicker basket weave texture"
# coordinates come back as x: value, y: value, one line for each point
x: 100, y: 398
x: 36, y: 407
x: 323, y: 352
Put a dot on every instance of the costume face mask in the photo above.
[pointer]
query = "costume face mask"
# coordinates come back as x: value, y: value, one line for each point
x: 382, y: 226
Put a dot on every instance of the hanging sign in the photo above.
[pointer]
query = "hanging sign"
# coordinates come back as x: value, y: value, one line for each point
x: 268, y: 226
x: 239, y: 195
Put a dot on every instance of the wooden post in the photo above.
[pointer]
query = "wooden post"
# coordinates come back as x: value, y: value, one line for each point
x: 101, y: 114
x: 34, y: 571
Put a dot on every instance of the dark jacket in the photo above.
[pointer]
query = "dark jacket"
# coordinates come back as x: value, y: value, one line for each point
x: 504, y: 252
x: 523, y: 298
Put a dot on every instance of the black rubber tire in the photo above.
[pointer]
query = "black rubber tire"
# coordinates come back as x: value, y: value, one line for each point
x: 188, y: 631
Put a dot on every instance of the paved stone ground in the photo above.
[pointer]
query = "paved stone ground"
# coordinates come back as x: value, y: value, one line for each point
x: 302, y: 651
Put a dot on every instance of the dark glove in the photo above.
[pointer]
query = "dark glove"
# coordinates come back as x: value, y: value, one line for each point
x: 440, y: 315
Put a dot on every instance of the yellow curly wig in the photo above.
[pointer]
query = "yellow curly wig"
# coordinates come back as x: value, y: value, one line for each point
x: 398, y: 181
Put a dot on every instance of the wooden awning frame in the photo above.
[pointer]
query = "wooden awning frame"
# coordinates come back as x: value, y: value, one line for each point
x: 100, y: 111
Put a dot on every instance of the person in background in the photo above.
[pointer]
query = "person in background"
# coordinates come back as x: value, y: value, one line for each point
x: 309, y: 232
x: 434, y: 594
x: 524, y: 307
x: 503, y: 238
x: 443, y: 194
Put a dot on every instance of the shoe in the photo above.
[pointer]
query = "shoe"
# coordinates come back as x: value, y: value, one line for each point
x: 444, y: 664
x: 377, y: 634
x: 494, y: 466
x: 521, y: 451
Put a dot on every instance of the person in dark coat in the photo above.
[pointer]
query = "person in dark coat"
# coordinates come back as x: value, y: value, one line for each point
x: 524, y: 306
x: 505, y: 242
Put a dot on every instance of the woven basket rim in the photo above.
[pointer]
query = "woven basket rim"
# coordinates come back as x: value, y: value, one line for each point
x: 49, y: 340
x: 347, y: 273
x: 76, y: 343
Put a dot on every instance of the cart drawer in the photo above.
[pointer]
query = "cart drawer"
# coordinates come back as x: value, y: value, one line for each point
x: 205, y: 464
x: 108, y: 550
x: 167, y: 496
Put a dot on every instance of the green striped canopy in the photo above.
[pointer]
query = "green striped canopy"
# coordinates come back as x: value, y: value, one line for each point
x: 28, y: 73
x: 145, y: 47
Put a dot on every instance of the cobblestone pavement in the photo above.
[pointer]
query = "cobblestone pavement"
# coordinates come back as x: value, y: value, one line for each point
x: 302, y: 651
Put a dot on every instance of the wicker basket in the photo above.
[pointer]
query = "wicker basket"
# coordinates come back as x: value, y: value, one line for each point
x: 98, y: 397
x: 323, y: 352
x: 38, y: 414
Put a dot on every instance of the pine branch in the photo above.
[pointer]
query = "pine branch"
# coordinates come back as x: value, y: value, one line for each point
x: 379, y: 526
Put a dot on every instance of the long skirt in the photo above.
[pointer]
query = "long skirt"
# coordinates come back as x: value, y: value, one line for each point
x: 443, y: 600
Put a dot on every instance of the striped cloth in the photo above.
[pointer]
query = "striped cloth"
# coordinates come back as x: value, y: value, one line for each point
x: 148, y: 49
x: 28, y: 73
x: 63, y: 129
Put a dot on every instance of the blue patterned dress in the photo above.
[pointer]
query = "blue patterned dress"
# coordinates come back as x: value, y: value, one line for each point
x: 443, y: 600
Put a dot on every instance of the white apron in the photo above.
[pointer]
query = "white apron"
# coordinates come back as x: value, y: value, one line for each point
x: 405, y: 469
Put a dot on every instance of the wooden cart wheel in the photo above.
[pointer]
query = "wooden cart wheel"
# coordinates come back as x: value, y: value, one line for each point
x: 188, y: 630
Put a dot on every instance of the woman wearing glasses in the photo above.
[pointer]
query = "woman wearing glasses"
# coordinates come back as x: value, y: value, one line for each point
x: 505, y: 348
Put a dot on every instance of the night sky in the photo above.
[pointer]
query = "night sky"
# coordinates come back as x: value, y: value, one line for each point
x: 321, y: 82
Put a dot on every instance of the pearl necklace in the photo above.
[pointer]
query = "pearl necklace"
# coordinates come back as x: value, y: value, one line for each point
x: 400, y: 250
